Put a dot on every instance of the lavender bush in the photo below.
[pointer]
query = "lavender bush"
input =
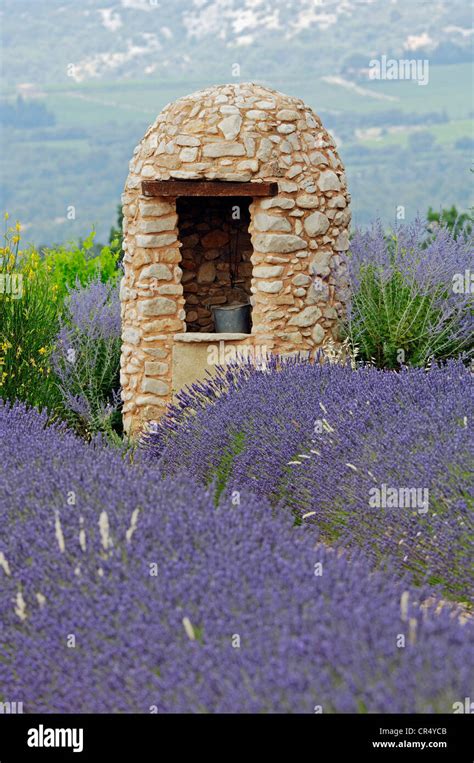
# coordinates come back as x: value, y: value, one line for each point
x: 87, y: 357
x: 124, y: 591
x: 409, y: 297
x: 325, y: 440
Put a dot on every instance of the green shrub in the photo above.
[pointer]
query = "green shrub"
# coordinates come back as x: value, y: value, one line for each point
x: 224, y: 468
x: 34, y: 288
x: 456, y: 221
x: 116, y: 233
x: 77, y: 264
x: 29, y: 319
x: 405, y: 308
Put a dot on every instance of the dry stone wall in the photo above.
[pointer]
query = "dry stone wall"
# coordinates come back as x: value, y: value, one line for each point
x: 298, y: 285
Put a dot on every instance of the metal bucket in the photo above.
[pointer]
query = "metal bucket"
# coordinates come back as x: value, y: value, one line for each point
x: 231, y: 319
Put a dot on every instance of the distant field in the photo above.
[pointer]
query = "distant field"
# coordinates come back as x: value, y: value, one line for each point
x: 73, y: 145
x: 447, y: 134
x: 84, y: 104
x: 89, y: 172
x: 449, y: 89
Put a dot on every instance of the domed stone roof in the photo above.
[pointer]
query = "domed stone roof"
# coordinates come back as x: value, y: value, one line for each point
x: 237, y: 132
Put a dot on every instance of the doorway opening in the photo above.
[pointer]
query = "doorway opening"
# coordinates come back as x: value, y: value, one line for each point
x: 216, y: 256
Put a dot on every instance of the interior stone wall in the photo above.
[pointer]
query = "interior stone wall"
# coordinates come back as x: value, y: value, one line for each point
x: 240, y: 132
x: 208, y: 229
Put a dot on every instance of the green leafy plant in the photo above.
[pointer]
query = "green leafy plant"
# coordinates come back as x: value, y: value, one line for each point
x: 29, y: 317
x: 457, y: 222
x: 404, y: 308
x: 35, y: 300
x: 116, y: 234
x: 223, y: 471
x: 79, y: 264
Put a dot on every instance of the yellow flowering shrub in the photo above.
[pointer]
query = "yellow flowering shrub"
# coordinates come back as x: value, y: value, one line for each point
x: 29, y: 311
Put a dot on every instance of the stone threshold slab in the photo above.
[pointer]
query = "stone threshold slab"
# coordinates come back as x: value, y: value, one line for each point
x: 194, y: 336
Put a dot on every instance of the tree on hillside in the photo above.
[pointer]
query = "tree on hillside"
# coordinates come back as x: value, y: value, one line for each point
x: 454, y: 220
x: 116, y: 234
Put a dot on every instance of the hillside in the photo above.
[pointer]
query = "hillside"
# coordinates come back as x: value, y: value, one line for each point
x: 156, y: 39
x: 82, y: 81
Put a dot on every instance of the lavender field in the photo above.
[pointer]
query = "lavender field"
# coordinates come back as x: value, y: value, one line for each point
x: 291, y: 537
x: 236, y: 377
x: 264, y: 582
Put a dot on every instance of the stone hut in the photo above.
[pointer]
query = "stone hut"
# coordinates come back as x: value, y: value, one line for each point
x: 236, y: 195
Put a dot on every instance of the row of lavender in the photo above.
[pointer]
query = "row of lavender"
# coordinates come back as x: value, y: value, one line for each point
x: 123, y: 588
x: 375, y: 460
x: 126, y: 590
x: 412, y: 301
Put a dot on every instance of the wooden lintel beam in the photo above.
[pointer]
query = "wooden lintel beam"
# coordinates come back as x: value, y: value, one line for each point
x: 207, y: 188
